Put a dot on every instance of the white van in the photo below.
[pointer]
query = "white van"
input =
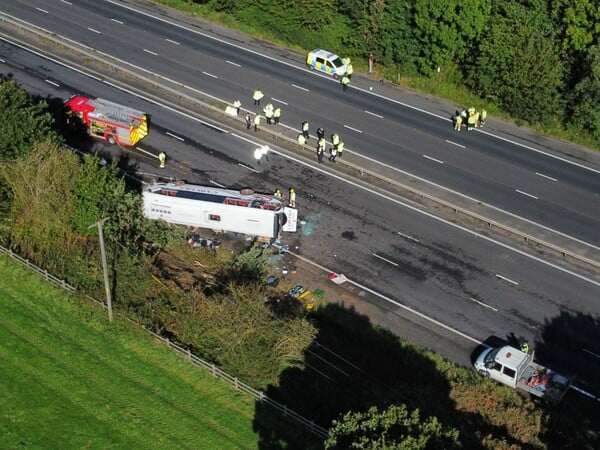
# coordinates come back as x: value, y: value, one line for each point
x: 327, y: 62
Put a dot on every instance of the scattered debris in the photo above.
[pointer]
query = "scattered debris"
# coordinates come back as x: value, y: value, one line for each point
x: 337, y: 278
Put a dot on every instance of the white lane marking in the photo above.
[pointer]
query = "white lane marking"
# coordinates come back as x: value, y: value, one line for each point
x: 174, y: 136
x: 233, y: 64
x: 426, y: 214
x: 172, y: 41
x: 300, y: 87
x: 66, y: 2
x: 591, y: 353
x: 278, y: 101
x: 146, y: 152
x: 52, y: 83
x: 454, y: 143
x: 216, y: 184
x: 545, y: 176
x: 294, y: 66
x: 353, y: 129
x: 473, y: 199
x: 247, y: 167
x: 2, y: 61
x: 385, y: 259
x: 484, y: 304
x: 210, y: 75
x: 333, y: 175
x: 388, y: 299
x: 117, y: 21
x: 406, y: 236
x: 580, y: 241
x: 526, y: 194
x: 151, y: 52
x: 42, y: 10
x: 94, y: 31
x: 433, y: 159
x: 541, y: 152
x: 506, y: 279
x: 373, y: 114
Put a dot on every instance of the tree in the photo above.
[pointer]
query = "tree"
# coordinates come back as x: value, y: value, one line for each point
x: 24, y: 121
x: 447, y: 29
x: 518, y: 65
x: 41, y: 184
x: 237, y: 330
x: 584, y: 104
x: 579, y: 23
x: 392, y: 428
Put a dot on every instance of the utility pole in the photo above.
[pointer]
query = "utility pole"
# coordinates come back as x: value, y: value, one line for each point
x: 104, y: 266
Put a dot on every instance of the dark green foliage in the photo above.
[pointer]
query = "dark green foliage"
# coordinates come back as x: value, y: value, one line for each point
x: 517, y: 64
x: 237, y: 330
x: 40, y: 184
x: 24, y: 121
x: 52, y: 199
x: 578, y: 22
x: 526, y: 56
x: 585, y: 99
x: 447, y: 29
x: 250, y: 266
x: 392, y: 428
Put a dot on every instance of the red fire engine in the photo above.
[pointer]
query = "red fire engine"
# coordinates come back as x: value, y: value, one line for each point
x: 107, y: 120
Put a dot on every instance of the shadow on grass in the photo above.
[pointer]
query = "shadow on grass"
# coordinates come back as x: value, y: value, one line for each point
x: 352, y: 366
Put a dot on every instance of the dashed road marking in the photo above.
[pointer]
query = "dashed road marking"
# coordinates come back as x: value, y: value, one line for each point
x: 483, y: 304
x: 94, y: 30
x: 454, y: 143
x: 385, y: 259
x: 247, y: 167
x: 591, y: 353
x: 507, y: 279
x: 216, y: 184
x: 53, y: 83
x: 545, y: 176
x: 353, y: 129
x: 433, y: 159
x: 146, y: 152
x: 151, y: 52
x: 42, y: 10
x: 526, y: 194
x: 173, y: 42
x: 300, y: 87
x: 373, y: 114
x: 406, y: 236
x: 210, y: 75
x: 117, y: 21
x: 66, y: 2
x: 233, y: 64
x: 278, y: 101
x: 174, y: 136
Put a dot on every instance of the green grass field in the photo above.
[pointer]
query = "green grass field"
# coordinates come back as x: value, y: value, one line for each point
x: 70, y: 380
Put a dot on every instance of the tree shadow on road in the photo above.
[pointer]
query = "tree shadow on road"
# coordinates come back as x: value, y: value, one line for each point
x: 570, y: 344
x: 352, y: 366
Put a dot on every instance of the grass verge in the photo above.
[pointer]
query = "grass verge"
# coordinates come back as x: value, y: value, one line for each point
x: 70, y: 379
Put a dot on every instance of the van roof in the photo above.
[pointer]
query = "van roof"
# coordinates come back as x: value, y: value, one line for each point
x: 510, y: 356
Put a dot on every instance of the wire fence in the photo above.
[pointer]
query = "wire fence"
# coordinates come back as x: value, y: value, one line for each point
x: 258, y: 395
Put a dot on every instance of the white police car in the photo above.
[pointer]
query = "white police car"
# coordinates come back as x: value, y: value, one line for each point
x: 327, y: 62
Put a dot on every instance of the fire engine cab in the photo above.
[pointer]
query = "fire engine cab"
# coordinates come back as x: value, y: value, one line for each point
x: 106, y: 120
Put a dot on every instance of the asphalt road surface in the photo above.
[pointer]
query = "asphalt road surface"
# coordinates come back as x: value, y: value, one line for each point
x: 473, y: 286
x: 560, y: 193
